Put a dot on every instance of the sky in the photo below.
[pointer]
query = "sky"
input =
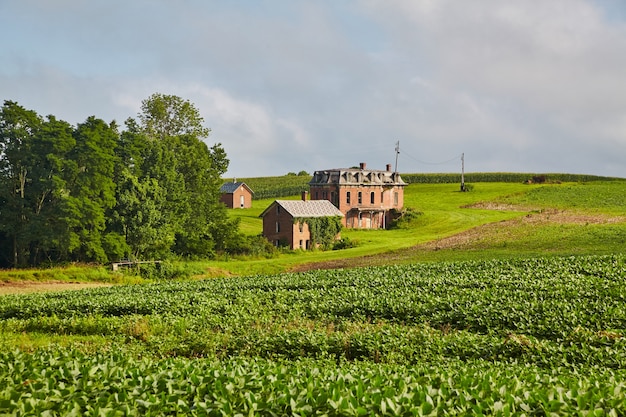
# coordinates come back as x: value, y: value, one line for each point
x: 289, y: 85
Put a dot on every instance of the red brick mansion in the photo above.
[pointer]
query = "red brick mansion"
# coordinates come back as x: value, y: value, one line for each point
x: 366, y: 197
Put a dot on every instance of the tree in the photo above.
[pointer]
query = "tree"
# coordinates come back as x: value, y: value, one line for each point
x: 140, y: 217
x: 164, y: 150
x: 17, y: 127
x: 149, y: 195
x: 167, y: 115
x: 91, y: 191
x: 34, y: 165
x: 48, y: 190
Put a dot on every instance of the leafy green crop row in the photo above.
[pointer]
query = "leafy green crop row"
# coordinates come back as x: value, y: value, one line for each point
x: 543, y: 297
x: 69, y: 383
x: 549, y: 311
x: 539, y: 336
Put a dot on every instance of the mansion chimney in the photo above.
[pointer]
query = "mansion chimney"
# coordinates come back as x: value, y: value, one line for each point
x: 362, y: 165
x: 388, y: 167
x: 304, y: 195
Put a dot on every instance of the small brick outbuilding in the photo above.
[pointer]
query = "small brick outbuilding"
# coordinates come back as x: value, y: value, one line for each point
x: 236, y: 195
x: 280, y: 225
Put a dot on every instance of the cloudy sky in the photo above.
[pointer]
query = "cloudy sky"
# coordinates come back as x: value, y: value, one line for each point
x: 291, y: 85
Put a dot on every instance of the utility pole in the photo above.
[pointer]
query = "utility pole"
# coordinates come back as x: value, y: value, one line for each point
x: 463, y: 172
x: 397, y: 153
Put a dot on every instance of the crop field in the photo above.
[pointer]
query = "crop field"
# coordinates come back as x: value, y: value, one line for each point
x: 506, y: 300
x: 537, y: 336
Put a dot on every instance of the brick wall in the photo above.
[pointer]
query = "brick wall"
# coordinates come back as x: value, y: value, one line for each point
x: 376, y: 197
x: 234, y: 200
x: 288, y: 233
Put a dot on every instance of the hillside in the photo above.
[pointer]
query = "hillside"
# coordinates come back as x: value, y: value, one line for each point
x: 495, y: 219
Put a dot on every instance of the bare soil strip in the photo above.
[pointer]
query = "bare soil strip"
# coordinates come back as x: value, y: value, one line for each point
x: 25, y: 287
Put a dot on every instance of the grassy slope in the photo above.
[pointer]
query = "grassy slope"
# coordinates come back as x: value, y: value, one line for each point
x: 444, y: 216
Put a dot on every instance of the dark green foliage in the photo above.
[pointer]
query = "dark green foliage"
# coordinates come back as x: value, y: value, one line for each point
x: 344, y: 243
x: 323, y: 230
x: 402, y: 219
x: 254, y: 246
x: 56, y: 185
x: 92, y: 194
x: 467, y: 187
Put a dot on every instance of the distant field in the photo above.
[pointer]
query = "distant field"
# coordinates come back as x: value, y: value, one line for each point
x: 291, y: 185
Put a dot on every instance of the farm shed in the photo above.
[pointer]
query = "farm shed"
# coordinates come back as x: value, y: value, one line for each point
x: 236, y: 195
x: 285, y: 221
x: 366, y: 197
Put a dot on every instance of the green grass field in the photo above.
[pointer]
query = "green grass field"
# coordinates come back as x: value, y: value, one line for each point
x: 448, y: 212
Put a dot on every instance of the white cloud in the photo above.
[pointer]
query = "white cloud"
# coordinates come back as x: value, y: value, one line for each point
x: 293, y: 85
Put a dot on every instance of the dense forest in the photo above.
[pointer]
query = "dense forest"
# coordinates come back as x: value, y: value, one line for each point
x: 96, y: 192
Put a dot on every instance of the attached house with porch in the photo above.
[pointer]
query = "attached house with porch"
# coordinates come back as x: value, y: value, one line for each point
x: 366, y: 197
x: 236, y: 195
x: 284, y: 221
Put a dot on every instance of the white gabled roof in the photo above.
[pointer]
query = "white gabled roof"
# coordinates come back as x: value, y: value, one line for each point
x: 308, y: 208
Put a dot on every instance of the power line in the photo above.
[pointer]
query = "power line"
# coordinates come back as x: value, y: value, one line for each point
x: 431, y: 163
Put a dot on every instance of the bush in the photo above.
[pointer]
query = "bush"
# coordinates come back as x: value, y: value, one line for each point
x: 256, y: 246
x: 261, y: 247
x: 344, y: 243
x: 403, y: 219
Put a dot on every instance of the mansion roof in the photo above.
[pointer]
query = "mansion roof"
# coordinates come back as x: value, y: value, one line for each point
x: 356, y: 176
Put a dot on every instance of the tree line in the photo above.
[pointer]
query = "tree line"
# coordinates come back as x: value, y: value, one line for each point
x: 97, y: 192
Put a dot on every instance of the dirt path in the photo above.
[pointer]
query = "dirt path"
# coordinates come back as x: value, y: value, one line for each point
x: 25, y: 287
